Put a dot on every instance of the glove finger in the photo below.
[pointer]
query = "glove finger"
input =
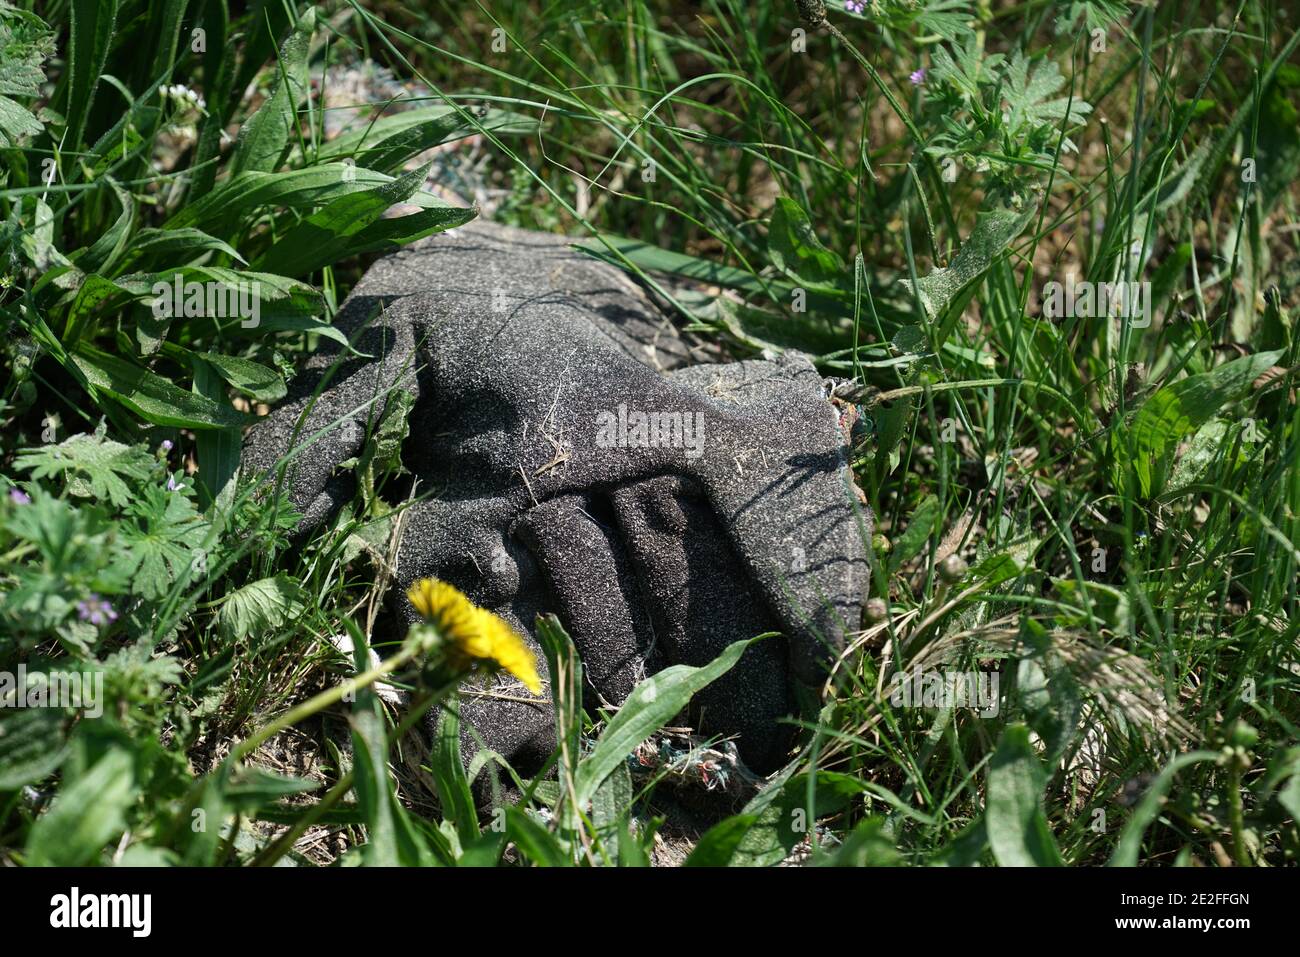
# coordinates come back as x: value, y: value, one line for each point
x: 464, y: 543
x: 776, y: 469
x: 590, y: 577
x: 701, y: 601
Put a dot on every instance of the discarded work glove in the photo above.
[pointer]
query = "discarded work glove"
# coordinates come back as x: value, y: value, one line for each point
x: 579, y: 465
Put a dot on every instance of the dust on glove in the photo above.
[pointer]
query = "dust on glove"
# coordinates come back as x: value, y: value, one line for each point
x: 579, y: 463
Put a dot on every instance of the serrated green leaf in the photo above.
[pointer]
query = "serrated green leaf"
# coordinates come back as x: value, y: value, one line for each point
x: 260, y: 607
x: 1027, y: 93
x: 988, y: 242
x: 158, y: 544
x: 91, y: 465
x: 15, y: 123
x: 25, y: 43
x: 33, y: 743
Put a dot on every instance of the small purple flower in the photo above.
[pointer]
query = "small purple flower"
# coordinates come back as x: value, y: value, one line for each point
x: 166, y: 445
x: 918, y: 77
x: 173, y: 485
x: 19, y: 497
x: 96, y: 611
x: 855, y: 6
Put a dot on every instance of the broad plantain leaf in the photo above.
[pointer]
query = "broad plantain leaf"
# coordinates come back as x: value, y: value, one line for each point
x: 650, y: 706
x: 88, y: 813
x: 264, y: 139
x: 1176, y: 410
x: 1017, y: 827
x: 152, y: 397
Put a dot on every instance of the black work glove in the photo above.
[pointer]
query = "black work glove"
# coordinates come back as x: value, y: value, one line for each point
x: 530, y: 365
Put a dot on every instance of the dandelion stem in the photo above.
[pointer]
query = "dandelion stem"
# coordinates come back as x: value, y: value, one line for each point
x: 289, y: 838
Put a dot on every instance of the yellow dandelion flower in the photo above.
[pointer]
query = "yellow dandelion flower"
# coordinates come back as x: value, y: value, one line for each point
x: 474, y: 632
